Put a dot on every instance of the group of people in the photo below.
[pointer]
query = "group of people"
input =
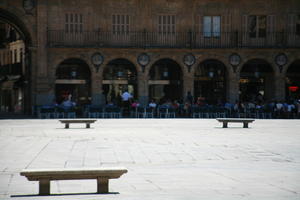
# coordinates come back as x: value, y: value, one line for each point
x: 278, y: 109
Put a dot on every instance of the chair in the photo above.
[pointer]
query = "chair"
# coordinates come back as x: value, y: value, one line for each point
x: 60, y: 112
x: 70, y: 112
x: 196, y: 112
x: 149, y: 112
x: 171, y: 112
x: 140, y: 112
x: 163, y: 112
x: 95, y: 112
x: 112, y: 112
x: 47, y: 112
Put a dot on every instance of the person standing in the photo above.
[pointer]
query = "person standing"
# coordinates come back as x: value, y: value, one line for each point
x: 126, y: 97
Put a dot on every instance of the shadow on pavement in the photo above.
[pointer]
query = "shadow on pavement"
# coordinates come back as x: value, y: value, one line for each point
x: 61, y: 194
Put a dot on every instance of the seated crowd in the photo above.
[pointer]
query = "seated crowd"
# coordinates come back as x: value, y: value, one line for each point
x: 129, y: 107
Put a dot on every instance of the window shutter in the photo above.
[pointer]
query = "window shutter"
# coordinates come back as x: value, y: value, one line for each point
x: 292, y: 23
x: 200, y: 24
x: 226, y: 23
x: 271, y: 24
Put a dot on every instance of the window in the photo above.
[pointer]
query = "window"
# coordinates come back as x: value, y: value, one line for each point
x: 166, y: 24
x: 211, y: 26
x: 257, y: 26
x: 298, y: 25
x: 73, y: 23
x: 120, y: 24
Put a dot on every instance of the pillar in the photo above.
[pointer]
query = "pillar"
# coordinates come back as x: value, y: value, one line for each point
x: 44, y: 83
x: 96, y: 89
x: 143, y: 88
x: 233, y: 87
x: 188, y: 84
x: 279, y: 87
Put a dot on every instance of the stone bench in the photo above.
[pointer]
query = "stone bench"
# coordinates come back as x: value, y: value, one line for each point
x: 225, y: 121
x: 76, y: 121
x: 44, y: 176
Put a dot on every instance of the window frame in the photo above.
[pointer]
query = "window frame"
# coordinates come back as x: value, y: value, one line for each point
x: 212, y: 33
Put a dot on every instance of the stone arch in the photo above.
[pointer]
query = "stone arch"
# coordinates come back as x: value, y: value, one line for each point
x: 222, y: 59
x: 63, y: 58
x: 174, y: 58
x: 19, y: 98
x: 13, y: 17
x: 111, y: 59
x: 257, y: 57
x: 292, y: 81
x: 257, y: 79
x: 73, y: 76
x: 166, y: 80
x: 211, y: 78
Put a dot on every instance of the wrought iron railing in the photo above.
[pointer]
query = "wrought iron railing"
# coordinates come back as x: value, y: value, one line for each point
x: 192, y: 40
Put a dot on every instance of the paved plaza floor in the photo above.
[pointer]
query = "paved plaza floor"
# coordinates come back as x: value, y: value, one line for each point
x: 167, y: 159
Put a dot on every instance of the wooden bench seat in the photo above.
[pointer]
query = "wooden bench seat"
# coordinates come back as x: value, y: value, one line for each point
x: 44, y: 176
x: 225, y: 121
x: 70, y: 121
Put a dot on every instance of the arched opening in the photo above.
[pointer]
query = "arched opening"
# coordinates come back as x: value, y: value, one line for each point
x: 15, y: 90
x: 256, y: 81
x: 165, y: 81
x: 73, y: 79
x: 210, y: 81
x: 119, y: 75
x: 293, y: 81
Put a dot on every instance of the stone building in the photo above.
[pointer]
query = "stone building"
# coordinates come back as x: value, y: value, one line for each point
x: 221, y: 50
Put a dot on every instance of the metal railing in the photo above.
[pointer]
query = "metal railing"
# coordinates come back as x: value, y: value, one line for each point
x: 192, y: 40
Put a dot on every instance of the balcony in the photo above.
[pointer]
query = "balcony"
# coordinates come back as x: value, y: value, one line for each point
x: 188, y: 40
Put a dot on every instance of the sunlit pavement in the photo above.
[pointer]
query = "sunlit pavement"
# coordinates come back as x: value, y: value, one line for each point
x: 188, y: 159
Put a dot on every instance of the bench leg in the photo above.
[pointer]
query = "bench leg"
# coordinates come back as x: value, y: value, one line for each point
x: 88, y: 125
x: 245, y: 125
x: 102, y: 185
x: 67, y: 125
x: 44, y: 187
x: 225, y: 124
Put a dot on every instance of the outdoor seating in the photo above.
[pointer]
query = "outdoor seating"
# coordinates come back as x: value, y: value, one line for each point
x: 95, y: 112
x: 44, y: 176
x: 149, y: 112
x: 112, y: 112
x: 67, y: 122
x: 46, y: 112
x: 225, y: 121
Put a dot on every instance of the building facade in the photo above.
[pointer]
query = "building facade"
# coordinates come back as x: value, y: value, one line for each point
x: 220, y: 50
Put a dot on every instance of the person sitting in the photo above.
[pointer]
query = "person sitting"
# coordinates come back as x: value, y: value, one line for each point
x: 152, y: 104
x: 68, y: 103
x: 135, y: 104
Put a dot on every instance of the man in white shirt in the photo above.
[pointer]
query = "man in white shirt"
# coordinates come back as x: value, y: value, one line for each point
x: 126, y: 97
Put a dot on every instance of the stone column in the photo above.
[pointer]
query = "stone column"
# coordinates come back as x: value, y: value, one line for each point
x: 44, y: 83
x: 96, y: 89
x: 232, y: 87
x: 279, y: 87
x: 188, y: 84
x: 143, y: 88
x: 42, y: 23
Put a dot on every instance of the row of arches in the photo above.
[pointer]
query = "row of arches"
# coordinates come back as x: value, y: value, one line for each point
x: 165, y: 81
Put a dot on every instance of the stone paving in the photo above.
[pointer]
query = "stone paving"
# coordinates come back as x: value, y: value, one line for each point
x: 172, y: 159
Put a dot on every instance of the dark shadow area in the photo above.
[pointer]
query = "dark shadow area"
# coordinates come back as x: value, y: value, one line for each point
x: 75, y: 128
x: 61, y: 194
